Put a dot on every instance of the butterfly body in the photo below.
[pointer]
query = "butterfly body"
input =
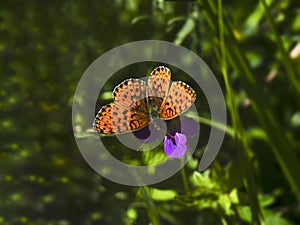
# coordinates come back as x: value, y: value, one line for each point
x: 152, y: 106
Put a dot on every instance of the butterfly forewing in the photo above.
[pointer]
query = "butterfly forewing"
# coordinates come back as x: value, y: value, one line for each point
x: 158, y: 85
x: 131, y: 93
x: 180, y: 98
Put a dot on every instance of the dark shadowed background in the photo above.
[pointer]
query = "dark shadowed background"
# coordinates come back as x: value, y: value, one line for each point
x: 45, y: 47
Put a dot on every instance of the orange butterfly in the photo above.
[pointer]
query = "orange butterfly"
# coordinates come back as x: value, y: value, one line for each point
x: 137, y: 102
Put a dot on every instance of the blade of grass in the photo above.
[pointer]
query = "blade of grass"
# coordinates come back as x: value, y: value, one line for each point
x: 228, y: 130
x: 284, y: 55
x: 152, y: 212
x: 239, y: 135
x: 278, y: 138
x: 151, y: 209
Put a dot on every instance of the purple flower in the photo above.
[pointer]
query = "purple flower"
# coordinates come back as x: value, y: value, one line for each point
x: 175, y: 140
x: 175, y: 147
x: 144, y: 134
x: 150, y: 133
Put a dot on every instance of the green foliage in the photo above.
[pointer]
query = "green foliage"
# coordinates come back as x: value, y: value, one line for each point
x: 46, y: 47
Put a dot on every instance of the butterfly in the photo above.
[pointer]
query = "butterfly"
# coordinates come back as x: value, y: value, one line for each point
x: 137, y: 102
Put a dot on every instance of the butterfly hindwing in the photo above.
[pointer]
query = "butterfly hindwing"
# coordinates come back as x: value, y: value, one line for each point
x: 102, y: 123
x: 115, y: 118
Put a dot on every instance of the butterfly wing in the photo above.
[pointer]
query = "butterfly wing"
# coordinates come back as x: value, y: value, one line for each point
x: 158, y: 85
x: 179, y: 99
x: 115, y: 118
x: 128, y: 112
x: 131, y: 94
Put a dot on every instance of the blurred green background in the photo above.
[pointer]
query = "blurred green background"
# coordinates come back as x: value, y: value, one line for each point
x: 45, y: 47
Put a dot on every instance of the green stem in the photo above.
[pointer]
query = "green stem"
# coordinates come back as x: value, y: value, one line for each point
x: 151, y: 209
x: 244, y: 149
x: 184, y: 177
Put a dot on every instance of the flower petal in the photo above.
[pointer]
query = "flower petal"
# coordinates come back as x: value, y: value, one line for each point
x: 188, y: 126
x: 178, y: 150
x: 169, y: 147
x: 180, y: 138
x: 143, y: 133
x: 148, y: 134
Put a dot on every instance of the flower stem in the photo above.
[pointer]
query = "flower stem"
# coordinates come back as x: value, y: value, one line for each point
x: 184, y: 178
x: 151, y: 209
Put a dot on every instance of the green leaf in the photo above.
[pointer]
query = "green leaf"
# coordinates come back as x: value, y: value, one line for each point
x: 272, y: 218
x: 234, y: 196
x: 132, y: 213
x: 295, y: 121
x: 245, y: 213
x: 202, y: 179
x: 256, y: 133
x: 162, y: 195
x: 185, y: 31
x: 265, y: 200
x: 83, y: 134
x: 225, y: 203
